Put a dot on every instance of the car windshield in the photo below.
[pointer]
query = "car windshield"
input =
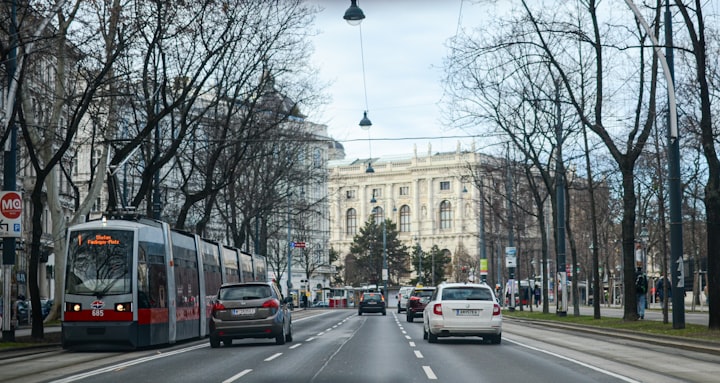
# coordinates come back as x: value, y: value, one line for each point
x: 240, y: 293
x: 467, y: 293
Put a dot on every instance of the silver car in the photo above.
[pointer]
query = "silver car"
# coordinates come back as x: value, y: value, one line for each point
x: 463, y: 309
x: 250, y: 310
x: 402, y: 297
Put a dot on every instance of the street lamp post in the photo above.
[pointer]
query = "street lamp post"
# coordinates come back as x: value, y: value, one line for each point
x: 644, y: 237
x: 674, y: 184
x: 419, y: 256
x: 384, y: 275
x: 385, y: 264
x: 289, y: 250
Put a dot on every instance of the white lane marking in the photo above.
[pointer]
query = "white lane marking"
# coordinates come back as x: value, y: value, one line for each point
x: 273, y: 356
x: 237, y: 376
x: 598, y: 369
x: 162, y: 355
x: 309, y: 339
x: 320, y: 333
x: 296, y: 345
x: 412, y: 344
x: 419, y: 354
x: 429, y: 372
x: 408, y: 337
x: 128, y: 363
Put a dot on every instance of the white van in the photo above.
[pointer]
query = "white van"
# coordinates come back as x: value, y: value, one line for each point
x: 402, y: 297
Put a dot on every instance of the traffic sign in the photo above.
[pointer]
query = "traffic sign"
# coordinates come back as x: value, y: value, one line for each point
x: 10, y: 214
x: 300, y: 245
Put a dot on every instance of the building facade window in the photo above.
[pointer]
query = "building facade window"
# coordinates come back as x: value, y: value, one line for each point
x: 445, y: 185
x: 404, y: 190
x: 351, y: 222
x: 405, y: 219
x: 378, y: 213
x: 377, y: 193
x: 350, y: 194
x: 445, y: 215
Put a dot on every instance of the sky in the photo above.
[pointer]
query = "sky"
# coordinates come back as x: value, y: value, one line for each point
x: 403, y: 48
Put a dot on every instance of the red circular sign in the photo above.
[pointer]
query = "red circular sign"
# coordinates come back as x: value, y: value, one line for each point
x: 11, y: 205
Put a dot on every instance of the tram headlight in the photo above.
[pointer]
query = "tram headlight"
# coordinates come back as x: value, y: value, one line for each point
x: 73, y: 307
x: 123, y: 307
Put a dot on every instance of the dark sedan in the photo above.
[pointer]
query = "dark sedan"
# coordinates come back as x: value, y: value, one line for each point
x: 372, y: 303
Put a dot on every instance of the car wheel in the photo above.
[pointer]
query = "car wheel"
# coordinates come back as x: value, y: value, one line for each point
x: 409, y: 317
x: 399, y: 309
x: 425, y: 333
x: 280, y: 338
x: 359, y: 312
x: 384, y: 312
x: 432, y: 338
x: 495, y: 339
x: 214, y: 341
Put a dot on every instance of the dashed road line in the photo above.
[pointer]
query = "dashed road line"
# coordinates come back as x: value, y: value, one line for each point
x: 429, y: 372
x: 237, y: 376
x: 271, y: 357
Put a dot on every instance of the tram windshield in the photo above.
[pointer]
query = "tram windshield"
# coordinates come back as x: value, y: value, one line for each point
x: 99, y: 262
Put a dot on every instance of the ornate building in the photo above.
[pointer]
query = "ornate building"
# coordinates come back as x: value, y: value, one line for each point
x: 430, y: 197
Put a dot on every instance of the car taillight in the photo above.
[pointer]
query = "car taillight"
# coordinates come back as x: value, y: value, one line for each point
x: 496, y: 309
x: 218, y: 306
x: 437, y: 309
x: 382, y: 298
x: 271, y: 304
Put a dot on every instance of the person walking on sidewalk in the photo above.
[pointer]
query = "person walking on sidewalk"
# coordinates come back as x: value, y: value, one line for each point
x: 641, y: 286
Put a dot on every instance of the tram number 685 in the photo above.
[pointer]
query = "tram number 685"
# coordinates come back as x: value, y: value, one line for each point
x: 98, y: 312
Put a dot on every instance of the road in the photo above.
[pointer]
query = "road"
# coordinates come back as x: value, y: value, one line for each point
x: 340, y: 346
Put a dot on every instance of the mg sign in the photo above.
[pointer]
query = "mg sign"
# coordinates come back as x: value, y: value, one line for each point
x: 10, y: 214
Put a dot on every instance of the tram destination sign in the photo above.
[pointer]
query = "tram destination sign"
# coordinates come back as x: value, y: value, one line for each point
x: 10, y: 214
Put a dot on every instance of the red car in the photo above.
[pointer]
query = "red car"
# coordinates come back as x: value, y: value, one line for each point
x: 419, y: 298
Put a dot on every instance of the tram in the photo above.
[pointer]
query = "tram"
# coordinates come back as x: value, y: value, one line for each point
x: 135, y: 282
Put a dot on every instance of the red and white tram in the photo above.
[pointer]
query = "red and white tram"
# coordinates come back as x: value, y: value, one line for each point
x: 133, y: 283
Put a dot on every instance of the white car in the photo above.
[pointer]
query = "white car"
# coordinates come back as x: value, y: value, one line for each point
x: 402, y: 297
x: 463, y: 309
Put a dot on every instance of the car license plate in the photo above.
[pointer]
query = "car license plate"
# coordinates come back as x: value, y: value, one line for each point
x: 243, y: 312
x: 468, y: 313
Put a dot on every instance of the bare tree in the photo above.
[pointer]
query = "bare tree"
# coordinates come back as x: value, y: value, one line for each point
x: 546, y: 38
x: 48, y: 134
x: 705, y: 81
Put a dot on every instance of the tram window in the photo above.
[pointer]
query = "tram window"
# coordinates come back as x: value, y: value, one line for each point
x: 99, y: 262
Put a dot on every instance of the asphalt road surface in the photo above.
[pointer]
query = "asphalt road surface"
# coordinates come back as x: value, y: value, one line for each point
x: 340, y: 346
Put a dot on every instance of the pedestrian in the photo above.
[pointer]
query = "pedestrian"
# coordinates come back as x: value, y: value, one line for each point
x: 537, y: 292
x: 641, y: 286
x: 661, y: 287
